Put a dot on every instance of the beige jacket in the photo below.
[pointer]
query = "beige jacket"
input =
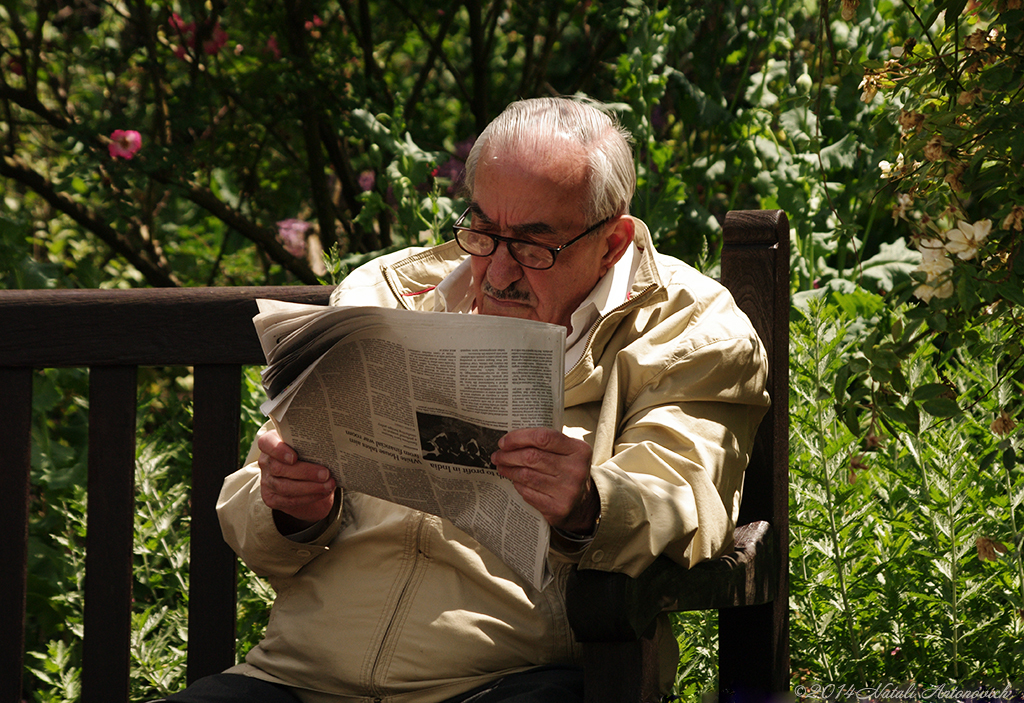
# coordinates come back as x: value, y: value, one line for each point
x: 390, y: 604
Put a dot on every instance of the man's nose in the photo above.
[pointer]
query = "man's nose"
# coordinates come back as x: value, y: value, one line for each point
x: 503, y: 270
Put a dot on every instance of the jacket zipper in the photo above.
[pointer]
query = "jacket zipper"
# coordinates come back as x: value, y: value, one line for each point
x: 593, y: 328
x: 418, y: 558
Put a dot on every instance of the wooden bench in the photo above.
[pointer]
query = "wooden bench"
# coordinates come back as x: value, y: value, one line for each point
x: 113, y: 333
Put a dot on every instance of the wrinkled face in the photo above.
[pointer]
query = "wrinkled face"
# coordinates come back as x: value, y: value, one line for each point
x: 536, y: 197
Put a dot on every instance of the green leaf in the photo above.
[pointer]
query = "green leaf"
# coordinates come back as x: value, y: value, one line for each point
x: 842, y: 154
x: 859, y: 303
x: 937, y: 322
x: 800, y: 125
x: 911, y: 417
x: 1012, y: 291
x: 1009, y: 459
x: 941, y: 407
x: 930, y: 391
x: 953, y: 9
x: 859, y: 363
x: 885, y: 358
x: 890, y: 266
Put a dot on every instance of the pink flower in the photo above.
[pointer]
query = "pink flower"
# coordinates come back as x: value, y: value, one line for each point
x: 463, y: 148
x: 272, y: 46
x: 453, y: 168
x: 124, y: 143
x: 179, y: 24
x: 216, y: 41
x: 187, y: 31
x: 292, y: 234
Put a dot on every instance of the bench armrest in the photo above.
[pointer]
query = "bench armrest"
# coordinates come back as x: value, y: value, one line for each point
x: 606, y: 606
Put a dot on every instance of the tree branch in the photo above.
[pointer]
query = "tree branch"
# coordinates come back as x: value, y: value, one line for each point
x: 13, y: 168
x: 436, y: 51
x: 266, y: 238
x: 31, y: 102
x: 374, y: 74
x: 480, y: 67
x: 311, y: 120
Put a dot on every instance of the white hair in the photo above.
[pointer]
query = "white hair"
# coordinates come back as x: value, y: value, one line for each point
x: 531, y: 125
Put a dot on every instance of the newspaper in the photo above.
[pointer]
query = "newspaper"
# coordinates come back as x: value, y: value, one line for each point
x: 408, y: 406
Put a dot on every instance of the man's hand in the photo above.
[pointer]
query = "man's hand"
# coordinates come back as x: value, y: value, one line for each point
x: 300, y: 493
x: 551, y: 471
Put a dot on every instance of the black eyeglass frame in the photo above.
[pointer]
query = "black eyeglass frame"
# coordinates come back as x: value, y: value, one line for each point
x: 495, y: 238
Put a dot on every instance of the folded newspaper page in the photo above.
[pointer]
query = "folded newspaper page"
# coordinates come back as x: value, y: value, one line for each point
x: 408, y: 406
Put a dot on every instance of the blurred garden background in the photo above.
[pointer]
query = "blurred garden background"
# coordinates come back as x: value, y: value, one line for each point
x: 209, y: 143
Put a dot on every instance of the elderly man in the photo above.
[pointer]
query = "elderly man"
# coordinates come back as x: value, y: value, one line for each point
x: 665, y: 388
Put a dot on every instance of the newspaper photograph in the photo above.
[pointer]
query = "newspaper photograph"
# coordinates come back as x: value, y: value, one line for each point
x: 408, y: 406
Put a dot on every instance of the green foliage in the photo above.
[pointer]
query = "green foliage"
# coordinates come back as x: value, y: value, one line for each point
x: 906, y: 547
x: 697, y: 637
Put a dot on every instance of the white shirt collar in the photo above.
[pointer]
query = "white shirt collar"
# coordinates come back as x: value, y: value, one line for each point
x: 455, y: 291
x: 609, y: 293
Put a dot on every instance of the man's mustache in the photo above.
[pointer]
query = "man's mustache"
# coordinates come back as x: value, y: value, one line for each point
x: 511, y: 293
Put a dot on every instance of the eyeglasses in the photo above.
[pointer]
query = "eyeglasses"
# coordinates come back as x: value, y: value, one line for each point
x: 526, y: 254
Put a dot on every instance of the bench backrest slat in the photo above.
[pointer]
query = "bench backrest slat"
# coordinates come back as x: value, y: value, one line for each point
x: 755, y: 267
x: 212, y: 568
x: 109, y: 530
x: 15, y: 463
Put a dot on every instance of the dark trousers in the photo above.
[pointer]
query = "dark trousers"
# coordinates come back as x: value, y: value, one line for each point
x: 545, y: 684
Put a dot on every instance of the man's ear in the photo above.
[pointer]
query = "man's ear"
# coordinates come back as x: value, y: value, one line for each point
x: 618, y: 238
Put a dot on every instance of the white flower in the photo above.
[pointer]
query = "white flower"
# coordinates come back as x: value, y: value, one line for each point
x: 870, y: 85
x: 932, y: 250
x: 966, y: 238
x: 889, y: 170
x: 903, y: 201
x: 938, y: 283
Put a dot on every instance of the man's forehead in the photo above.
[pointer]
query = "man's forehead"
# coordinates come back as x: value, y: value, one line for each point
x: 522, y: 228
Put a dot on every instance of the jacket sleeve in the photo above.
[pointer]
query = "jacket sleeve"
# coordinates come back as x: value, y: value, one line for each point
x: 674, y: 438
x: 249, y: 528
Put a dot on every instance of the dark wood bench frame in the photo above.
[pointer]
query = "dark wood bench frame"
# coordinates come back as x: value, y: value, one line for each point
x: 210, y: 329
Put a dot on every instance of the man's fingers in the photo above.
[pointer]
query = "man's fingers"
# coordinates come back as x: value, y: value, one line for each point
x: 551, y: 471
x: 299, y: 471
x: 302, y: 499
x: 299, y: 489
x: 291, y: 487
x: 272, y: 445
x: 543, y: 450
x: 544, y: 439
